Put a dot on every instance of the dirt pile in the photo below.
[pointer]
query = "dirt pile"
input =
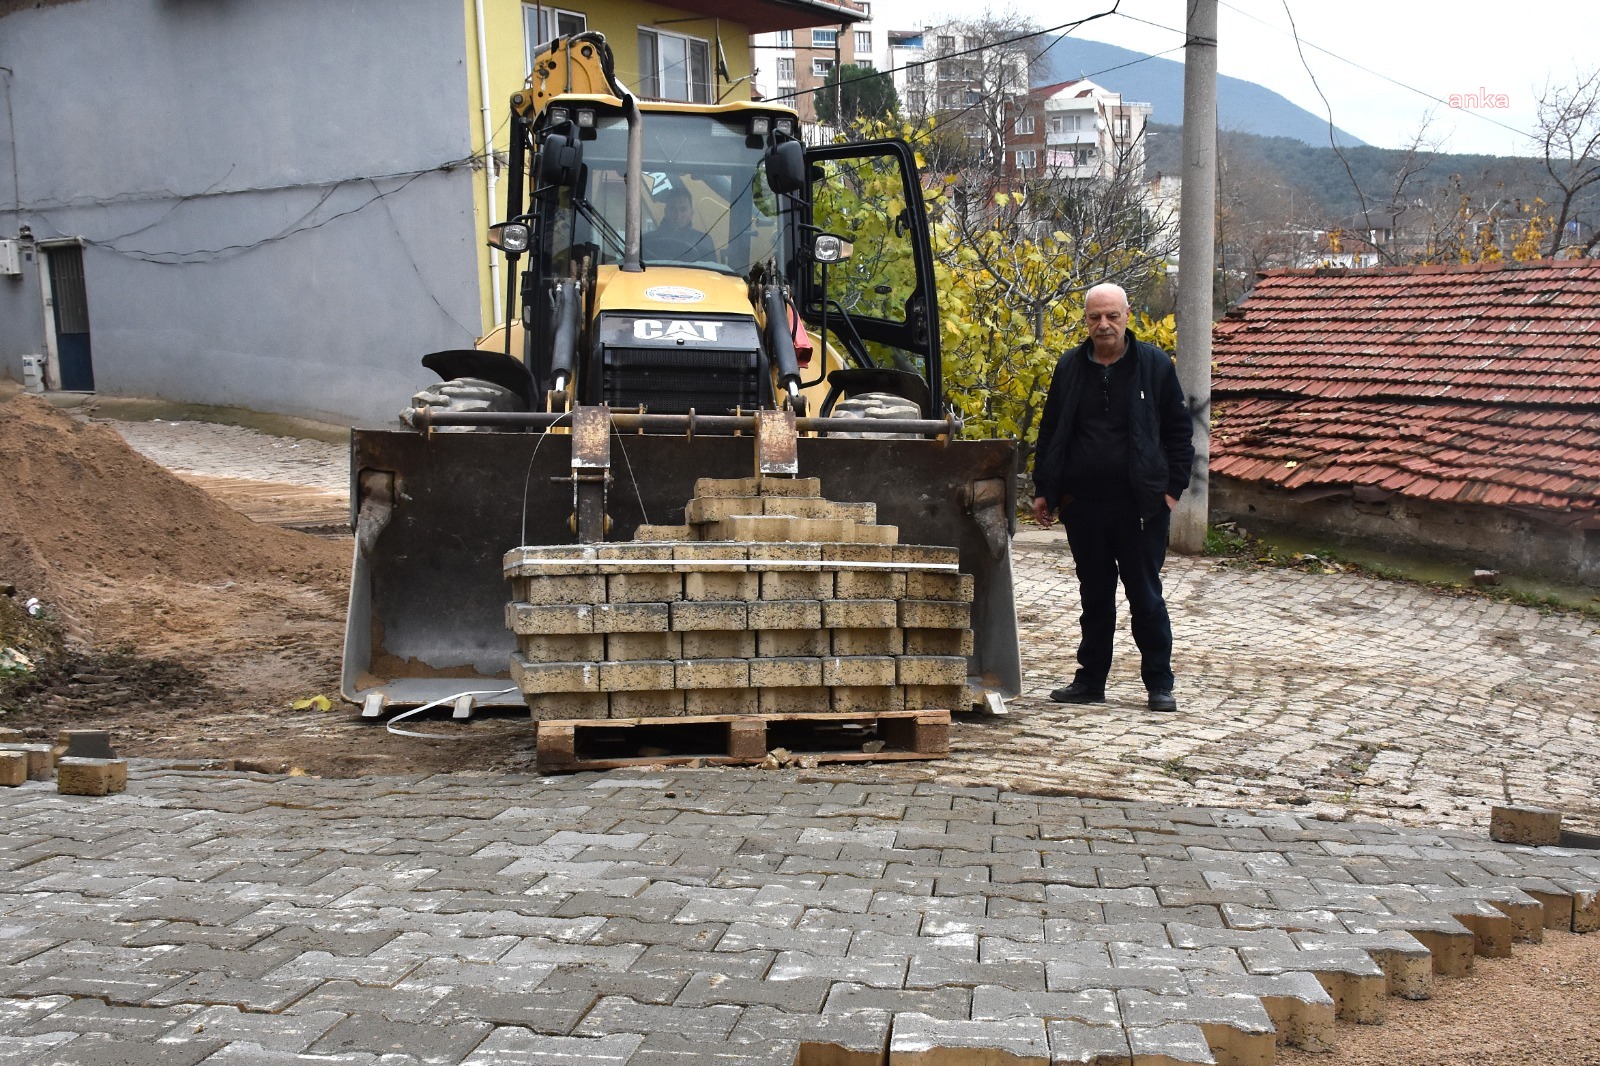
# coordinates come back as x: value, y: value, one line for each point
x: 85, y: 521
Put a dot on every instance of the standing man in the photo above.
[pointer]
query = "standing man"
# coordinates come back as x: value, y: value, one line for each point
x: 1114, y: 455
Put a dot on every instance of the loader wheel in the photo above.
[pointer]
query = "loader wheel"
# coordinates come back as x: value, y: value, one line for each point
x: 874, y: 405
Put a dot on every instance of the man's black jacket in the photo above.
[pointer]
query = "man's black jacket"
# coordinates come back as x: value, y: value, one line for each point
x: 1161, y: 446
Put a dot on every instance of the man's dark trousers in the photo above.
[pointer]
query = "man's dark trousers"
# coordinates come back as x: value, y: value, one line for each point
x: 1108, y: 540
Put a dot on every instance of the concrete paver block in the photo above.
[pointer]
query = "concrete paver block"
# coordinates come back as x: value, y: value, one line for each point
x: 632, y: 617
x: 1237, y: 1028
x: 91, y: 777
x: 922, y: 1040
x: 847, y: 699
x: 715, y: 645
x: 712, y: 673
x: 710, y: 615
x: 701, y: 551
x: 1301, y: 1010
x: 938, y: 641
x: 796, y: 585
x: 1534, y: 826
x: 1075, y: 1043
x: 537, y: 620
x: 627, y: 551
x: 935, y: 614
x: 926, y: 554
x: 554, y: 706
x: 799, y: 699
x: 785, y: 614
x: 636, y: 676
x: 13, y: 768
x: 869, y: 585
x: 868, y: 642
x: 41, y: 759
x: 858, y: 670
x: 562, y: 647
x: 791, y: 643
x: 554, y: 677
x: 649, y: 703
x: 860, y: 614
x: 544, y: 591
x: 84, y: 744
x: 931, y: 670
x: 785, y: 671
x: 721, y: 701
x: 933, y: 585
x: 1585, y: 911
x: 1174, y: 1044
x: 651, y: 586
x: 725, y: 586
x: 630, y: 647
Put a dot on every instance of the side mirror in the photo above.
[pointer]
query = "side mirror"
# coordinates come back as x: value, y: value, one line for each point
x: 786, y: 167
x: 559, y: 164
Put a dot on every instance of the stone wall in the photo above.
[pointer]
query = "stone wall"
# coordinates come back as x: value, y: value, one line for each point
x: 1494, y: 538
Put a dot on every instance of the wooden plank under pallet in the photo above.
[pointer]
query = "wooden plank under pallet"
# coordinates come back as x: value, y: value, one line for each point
x: 729, y: 740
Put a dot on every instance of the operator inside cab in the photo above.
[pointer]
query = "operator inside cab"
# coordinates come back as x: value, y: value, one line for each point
x: 675, y: 236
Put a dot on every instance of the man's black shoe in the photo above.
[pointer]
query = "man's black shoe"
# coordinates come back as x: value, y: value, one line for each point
x: 1078, y: 692
x: 1162, y: 701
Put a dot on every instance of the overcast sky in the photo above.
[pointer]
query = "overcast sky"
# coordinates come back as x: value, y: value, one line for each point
x: 1417, y: 55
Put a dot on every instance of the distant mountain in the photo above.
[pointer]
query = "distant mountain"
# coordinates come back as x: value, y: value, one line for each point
x: 1241, y: 105
x: 1324, y: 181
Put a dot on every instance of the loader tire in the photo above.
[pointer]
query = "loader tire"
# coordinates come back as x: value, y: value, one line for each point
x: 464, y: 394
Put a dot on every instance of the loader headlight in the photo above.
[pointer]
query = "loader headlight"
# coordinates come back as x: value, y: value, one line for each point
x: 760, y: 125
x: 585, y: 118
x: 830, y: 248
x: 510, y: 237
x: 559, y: 115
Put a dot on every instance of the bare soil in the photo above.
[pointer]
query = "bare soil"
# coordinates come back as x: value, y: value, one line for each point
x: 188, y: 630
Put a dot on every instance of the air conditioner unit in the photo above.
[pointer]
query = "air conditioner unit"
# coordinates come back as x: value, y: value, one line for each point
x: 10, y: 258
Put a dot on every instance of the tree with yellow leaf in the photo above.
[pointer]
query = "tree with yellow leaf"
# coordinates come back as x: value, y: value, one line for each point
x: 1012, y: 265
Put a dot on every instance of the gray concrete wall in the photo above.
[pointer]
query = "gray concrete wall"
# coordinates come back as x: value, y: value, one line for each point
x: 1490, y: 537
x: 259, y: 191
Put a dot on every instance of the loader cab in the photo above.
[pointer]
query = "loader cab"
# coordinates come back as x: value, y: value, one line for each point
x: 729, y: 200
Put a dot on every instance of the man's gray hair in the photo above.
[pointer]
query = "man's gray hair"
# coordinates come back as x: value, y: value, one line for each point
x: 1108, y: 286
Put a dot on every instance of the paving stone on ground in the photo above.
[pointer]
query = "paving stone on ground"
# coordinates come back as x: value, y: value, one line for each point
x: 953, y: 965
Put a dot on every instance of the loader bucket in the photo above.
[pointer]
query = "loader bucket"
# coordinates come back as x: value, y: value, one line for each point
x: 436, y: 512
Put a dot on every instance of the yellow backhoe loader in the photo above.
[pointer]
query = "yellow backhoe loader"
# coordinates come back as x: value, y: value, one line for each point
x: 699, y: 296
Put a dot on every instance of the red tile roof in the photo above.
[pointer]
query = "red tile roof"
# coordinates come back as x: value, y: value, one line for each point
x: 1477, y: 384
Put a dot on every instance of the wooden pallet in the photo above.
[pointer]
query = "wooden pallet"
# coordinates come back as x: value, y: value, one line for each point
x: 570, y: 745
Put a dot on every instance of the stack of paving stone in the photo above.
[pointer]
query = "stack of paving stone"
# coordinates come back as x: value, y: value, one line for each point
x: 770, y: 600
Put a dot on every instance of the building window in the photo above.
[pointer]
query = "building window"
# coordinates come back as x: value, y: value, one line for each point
x: 866, y: 64
x: 673, y: 67
x: 543, y: 24
x: 946, y: 46
x: 1025, y: 125
x: 785, y: 38
x: 865, y: 8
x: 821, y: 67
x: 786, y: 71
x: 824, y: 38
x: 1025, y: 159
x: 863, y: 42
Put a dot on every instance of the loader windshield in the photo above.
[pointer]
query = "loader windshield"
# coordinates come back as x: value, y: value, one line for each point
x: 706, y: 200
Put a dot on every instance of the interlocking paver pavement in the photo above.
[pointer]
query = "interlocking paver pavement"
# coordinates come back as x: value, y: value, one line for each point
x: 743, y: 916
x: 717, y: 915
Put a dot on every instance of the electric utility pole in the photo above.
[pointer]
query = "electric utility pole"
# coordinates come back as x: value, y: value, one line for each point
x: 1196, y: 237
